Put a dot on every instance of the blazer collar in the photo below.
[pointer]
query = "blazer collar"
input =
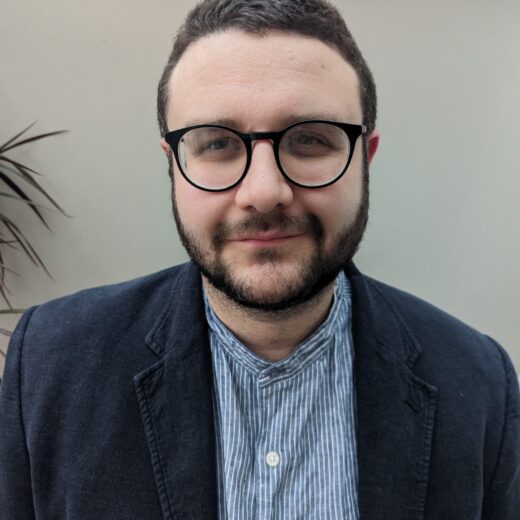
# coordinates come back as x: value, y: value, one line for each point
x: 175, y: 400
x: 395, y: 409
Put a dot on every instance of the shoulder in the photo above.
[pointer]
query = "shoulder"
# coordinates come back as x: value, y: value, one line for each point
x: 97, y: 324
x: 477, y: 419
x: 451, y: 351
x: 431, y: 325
x: 424, y: 317
x: 107, y: 305
x: 93, y: 342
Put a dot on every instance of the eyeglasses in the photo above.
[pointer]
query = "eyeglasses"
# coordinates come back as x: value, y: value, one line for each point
x: 309, y: 154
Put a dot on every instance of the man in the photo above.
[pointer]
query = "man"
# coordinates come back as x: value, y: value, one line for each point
x: 268, y: 378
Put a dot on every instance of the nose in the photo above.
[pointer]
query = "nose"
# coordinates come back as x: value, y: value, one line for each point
x: 264, y: 188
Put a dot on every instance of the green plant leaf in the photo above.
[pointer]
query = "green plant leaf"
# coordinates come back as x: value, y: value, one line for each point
x: 25, y: 244
x: 24, y: 201
x: 3, y: 267
x: 27, y: 177
x: 9, y: 243
x: 10, y: 234
x: 18, y: 165
x: 23, y: 197
x: 3, y: 289
x: 10, y: 146
x: 7, y: 143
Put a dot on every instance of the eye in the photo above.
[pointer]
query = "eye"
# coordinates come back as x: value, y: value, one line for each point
x: 307, y: 139
x: 212, y: 143
x: 313, y: 140
x: 306, y: 142
x: 220, y: 144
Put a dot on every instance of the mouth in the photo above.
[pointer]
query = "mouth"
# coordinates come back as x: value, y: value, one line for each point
x: 266, y: 239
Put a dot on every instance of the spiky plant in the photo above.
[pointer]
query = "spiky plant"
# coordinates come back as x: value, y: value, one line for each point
x: 17, y: 181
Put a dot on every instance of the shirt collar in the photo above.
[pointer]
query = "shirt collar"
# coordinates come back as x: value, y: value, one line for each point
x: 304, y: 353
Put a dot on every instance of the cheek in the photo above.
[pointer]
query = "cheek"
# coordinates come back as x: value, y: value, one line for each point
x: 200, y: 211
x: 350, y: 191
x: 338, y: 205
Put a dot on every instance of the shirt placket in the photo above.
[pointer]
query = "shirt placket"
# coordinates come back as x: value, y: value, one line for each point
x: 270, y: 447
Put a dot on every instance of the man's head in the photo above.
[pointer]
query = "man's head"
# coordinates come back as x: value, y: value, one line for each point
x: 260, y: 66
x: 315, y: 18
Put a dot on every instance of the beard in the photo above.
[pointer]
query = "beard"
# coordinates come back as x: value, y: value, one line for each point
x: 314, y: 274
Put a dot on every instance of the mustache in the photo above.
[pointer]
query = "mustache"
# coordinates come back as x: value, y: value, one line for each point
x: 277, y: 222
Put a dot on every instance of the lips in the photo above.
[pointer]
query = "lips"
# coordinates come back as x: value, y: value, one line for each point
x: 265, y: 237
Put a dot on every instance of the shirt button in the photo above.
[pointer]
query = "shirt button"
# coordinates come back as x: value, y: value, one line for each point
x: 272, y: 459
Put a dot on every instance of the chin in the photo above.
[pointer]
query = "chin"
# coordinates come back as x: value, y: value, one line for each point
x: 270, y: 286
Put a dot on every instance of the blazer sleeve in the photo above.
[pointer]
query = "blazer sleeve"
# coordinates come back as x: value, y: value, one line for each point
x: 502, y: 499
x: 15, y: 476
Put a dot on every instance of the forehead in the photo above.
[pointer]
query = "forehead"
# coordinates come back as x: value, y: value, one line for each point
x: 261, y: 81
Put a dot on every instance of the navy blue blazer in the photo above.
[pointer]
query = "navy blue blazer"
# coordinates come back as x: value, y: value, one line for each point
x: 106, y: 408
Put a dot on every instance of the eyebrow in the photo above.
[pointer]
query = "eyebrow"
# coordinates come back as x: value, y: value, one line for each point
x: 222, y: 122
x: 285, y: 122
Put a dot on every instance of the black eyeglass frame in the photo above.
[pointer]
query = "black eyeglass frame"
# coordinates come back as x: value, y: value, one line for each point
x: 353, y: 131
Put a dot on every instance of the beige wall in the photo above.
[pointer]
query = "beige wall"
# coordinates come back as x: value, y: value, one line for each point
x: 445, y: 185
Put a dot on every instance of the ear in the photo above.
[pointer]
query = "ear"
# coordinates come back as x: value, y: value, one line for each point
x: 165, y: 147
x: 372, y: 144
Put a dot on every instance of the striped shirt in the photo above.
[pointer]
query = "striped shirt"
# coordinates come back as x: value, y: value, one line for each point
x: 286, y: 446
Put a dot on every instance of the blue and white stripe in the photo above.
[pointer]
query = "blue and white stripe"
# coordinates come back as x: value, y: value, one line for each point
x: 286, y: 445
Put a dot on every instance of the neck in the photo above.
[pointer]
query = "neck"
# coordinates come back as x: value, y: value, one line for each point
x: 271, y: 335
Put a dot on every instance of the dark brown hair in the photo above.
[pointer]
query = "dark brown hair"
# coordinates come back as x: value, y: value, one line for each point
x: 315, y: 18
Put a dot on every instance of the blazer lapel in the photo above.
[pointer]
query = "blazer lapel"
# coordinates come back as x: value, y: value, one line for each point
x: 175, y: 399
x: 395, y: 409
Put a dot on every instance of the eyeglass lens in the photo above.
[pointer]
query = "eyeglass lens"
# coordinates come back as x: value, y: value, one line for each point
x: 310, y: 154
